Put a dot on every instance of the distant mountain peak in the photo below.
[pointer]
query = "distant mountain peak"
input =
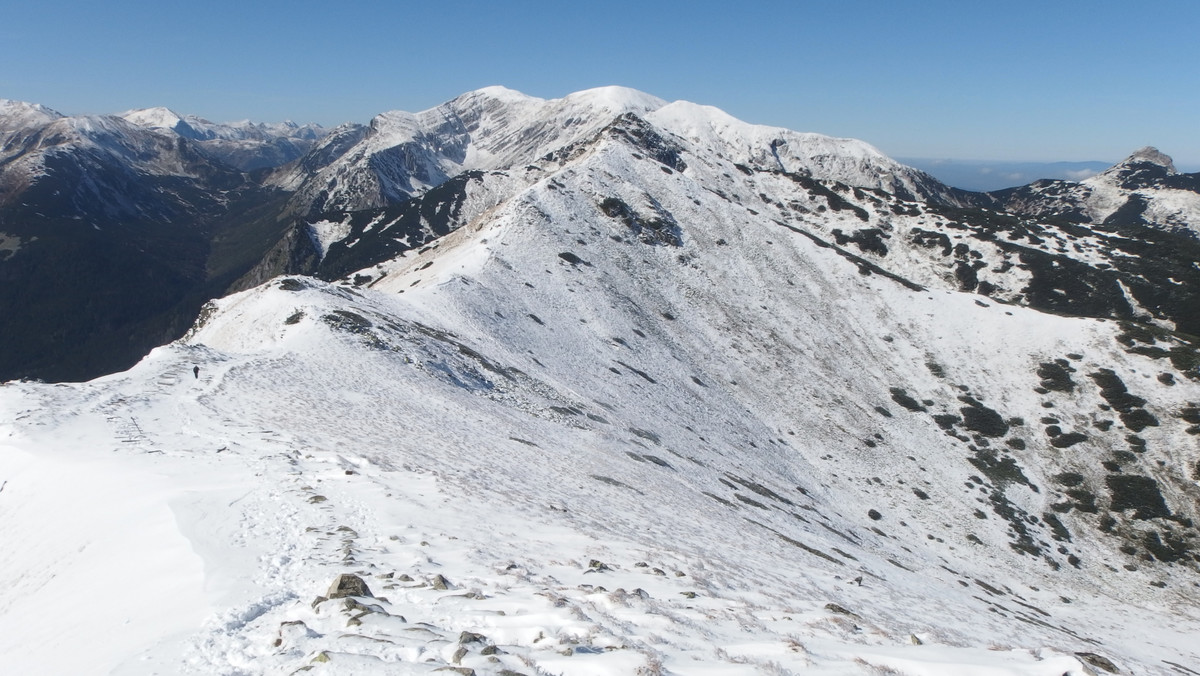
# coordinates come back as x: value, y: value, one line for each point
x: 1151, y: 155
x: 1144, y: 168
x: 614, y: 97
x: 164, y: 119
x: 20, y: 113
x: 156, y: 116
x: 496, y: 92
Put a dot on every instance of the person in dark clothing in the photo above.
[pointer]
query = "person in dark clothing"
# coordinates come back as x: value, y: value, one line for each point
x: 196, y: 371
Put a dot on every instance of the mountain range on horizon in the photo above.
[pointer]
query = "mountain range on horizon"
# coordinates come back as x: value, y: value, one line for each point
x: 989, y: 175
x: 603, y: 385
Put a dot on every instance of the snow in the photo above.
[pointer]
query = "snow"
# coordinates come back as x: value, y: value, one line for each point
x: 304, y: 451
x: 155, y: 118
x: 116, y: 575
x: 614, y: 100
x: 1173, y: 208
x: 198, y: 128
x: 849, y: 161
x: 326, y: 232
x: 642, y: 458
x: 18, y: 115
x: 405, y: 153
x: 1166, y: 207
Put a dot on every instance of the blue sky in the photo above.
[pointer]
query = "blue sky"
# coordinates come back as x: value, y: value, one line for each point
x: 1012, y: 80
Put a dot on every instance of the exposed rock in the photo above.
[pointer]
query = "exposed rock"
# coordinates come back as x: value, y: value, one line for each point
x: 471, y: 637
x: 348, y: 584
x: 1099, y: 662
x: 835, y: 608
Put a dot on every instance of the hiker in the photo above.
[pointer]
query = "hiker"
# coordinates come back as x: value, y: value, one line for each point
x: 196, y: 372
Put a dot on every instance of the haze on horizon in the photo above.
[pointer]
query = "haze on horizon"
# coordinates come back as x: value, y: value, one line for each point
x: 1023, y: 81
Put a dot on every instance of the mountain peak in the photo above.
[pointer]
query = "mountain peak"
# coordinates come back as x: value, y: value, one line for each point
x: 1144, y: 168
x: 1151, y: 155
x: 497, y: 92
x: 157, y: 117
x: 165, y: 119
x: 21, y: 113
x: 614, y: 97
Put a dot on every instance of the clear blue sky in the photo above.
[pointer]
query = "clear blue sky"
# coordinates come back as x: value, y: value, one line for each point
x: 1020, y: 80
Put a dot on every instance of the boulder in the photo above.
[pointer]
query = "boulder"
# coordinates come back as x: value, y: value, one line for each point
x: 347, y: 584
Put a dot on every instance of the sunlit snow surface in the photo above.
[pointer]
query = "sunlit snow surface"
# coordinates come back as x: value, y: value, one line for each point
x: 620, y: 456
x: 447, y: 433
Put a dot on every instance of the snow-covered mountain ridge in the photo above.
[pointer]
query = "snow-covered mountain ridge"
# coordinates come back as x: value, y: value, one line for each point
x: 200, y: 129
x: 102, y: 189
x: 1052, y: 263
x: 403, y: 154
x: 244, y: 144
x: 642, y: 398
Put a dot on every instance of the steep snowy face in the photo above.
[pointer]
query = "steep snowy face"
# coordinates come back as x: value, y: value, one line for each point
x: 20, y: 124
x: 644, y: 395
x: 163, y: 119
x: 39, y: 146
x: 200, y: 129
x: 1049, y: 262
x: 113, y: 138
x: 1146, y: 185
x: 505, y: 135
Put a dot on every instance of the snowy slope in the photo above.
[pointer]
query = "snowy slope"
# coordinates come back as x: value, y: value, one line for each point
x: 1047, y: 262
x: 848, y: 161
x: 636, y: 413
x: 108, y: 147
